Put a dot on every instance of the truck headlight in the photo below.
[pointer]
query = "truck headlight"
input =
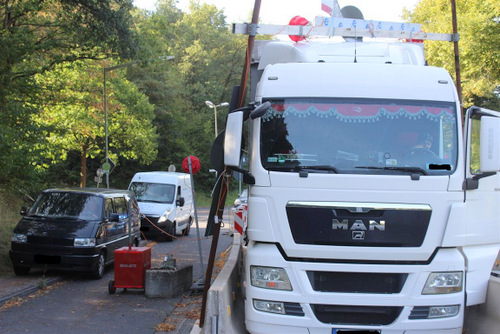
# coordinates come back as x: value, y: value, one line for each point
x: 269, y: 306
x: 270, y: 278
x: 84, y: 242
x: 434, y: 312
x: 441, y: 283
x: 19, y: 237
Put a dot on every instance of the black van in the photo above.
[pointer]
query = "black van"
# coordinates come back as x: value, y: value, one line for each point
x: 75, y: 229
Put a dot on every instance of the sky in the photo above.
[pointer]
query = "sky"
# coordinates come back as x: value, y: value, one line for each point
x: 281, y: 11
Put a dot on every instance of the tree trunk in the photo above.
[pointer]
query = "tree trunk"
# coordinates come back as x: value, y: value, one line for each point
x: 83, y: 168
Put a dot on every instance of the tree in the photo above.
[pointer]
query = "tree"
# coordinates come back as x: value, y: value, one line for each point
x: 35, y: 36
x: 479, y: 29
x: 72, y: 116
x: 208, y: 62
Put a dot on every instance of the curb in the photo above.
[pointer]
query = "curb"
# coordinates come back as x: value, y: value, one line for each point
x: 28, y: 290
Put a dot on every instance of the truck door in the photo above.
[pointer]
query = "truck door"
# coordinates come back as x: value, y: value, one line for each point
x: 481, y: 226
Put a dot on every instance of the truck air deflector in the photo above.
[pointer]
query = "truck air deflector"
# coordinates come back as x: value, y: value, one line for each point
x: 358, y: 224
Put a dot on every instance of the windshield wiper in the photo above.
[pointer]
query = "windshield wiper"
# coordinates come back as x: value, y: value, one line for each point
x: 306, y: 169
x: 152, y: 201
x: 402, y: 169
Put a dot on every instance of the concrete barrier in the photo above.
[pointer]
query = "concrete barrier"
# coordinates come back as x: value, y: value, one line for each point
x: 168, y: 283
x: 225, y: 311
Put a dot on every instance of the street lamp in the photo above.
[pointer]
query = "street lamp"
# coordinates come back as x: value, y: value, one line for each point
x: 106, y: 70
x: 211, y: 105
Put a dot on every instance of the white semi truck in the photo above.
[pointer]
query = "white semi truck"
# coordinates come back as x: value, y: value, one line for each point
x: 373, y: 204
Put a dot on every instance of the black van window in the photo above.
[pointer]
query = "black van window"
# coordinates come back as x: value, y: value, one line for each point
x: 108, y: 209
x: 67, y: 205
x: 120, y: 205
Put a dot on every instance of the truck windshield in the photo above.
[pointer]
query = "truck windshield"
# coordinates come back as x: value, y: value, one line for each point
x: 153, y: 192
x: 68, y: 205
x: 360, y: 136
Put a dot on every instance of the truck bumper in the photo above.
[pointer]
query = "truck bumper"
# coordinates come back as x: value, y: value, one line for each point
x: 311, y: 309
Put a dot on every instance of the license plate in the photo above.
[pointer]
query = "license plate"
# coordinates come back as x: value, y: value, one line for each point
x: 353, y: 331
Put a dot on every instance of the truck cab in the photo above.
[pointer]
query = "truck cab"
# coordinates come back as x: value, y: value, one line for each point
x: 367, y: 195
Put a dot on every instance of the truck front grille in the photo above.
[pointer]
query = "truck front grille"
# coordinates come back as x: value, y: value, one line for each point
x: 358, y: 224
x: 346, y: 282
x: 356, y: 315
x: 39, y: 240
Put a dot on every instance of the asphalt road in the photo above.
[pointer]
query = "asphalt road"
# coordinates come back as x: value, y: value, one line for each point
x: 77, y: 304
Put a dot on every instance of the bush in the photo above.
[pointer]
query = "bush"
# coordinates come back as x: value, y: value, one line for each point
x: 9, y: 216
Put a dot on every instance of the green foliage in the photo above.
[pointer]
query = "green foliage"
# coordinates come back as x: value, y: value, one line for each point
x: 479, y: 29
x: 207, y: 64
x: 74, y: 118
x: 35, y: 36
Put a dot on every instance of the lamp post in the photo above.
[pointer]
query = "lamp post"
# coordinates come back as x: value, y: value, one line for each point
x: 213, y: 106
x: 106, y: 70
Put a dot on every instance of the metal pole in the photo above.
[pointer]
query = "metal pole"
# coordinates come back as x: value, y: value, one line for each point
x: 221, y: 196
x: 215, y: 115
x: 196, y: 215
x: 455, y: 48
x: 106, y: 125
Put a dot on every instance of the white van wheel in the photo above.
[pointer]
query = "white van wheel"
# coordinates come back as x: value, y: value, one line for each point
x: 188, y: 227
x: 171, y: 234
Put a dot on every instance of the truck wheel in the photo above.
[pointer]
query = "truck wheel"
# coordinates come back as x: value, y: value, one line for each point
x: 99, y: 266
x: 111, y: 287
x: 21, y: 271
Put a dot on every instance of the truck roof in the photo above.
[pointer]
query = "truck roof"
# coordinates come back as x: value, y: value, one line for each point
x: 329, y: 51
x: 357, y: 80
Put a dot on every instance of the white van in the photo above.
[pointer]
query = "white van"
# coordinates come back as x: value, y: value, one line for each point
x: 165, y: 201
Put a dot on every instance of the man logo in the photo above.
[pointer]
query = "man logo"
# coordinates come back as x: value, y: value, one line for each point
x: 358, y: 235
x: 358, y: 225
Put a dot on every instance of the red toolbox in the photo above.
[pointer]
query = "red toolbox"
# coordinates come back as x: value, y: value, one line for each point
x: 131, y: 264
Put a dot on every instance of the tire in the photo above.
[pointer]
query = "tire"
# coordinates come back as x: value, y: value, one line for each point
x: 99, y: 267
x: 21, y: 271
x: 188, y: 227
x: 111, y: 287
x: 171, y: 234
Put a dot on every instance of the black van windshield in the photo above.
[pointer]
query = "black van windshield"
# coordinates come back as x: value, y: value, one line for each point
x: 153, y: 192
x: 68, y: 205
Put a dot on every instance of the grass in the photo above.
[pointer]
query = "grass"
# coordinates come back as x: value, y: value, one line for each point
x: 9, y: 216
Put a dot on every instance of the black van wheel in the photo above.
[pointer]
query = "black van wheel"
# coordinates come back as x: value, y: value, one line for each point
x: 99, y: 267
x: 21, y: 271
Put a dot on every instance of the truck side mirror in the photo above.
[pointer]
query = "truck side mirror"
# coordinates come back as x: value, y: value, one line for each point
x: 490, y: 144
x: 232, y: 139
x: 23, y: 211
x: 180, y: 201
